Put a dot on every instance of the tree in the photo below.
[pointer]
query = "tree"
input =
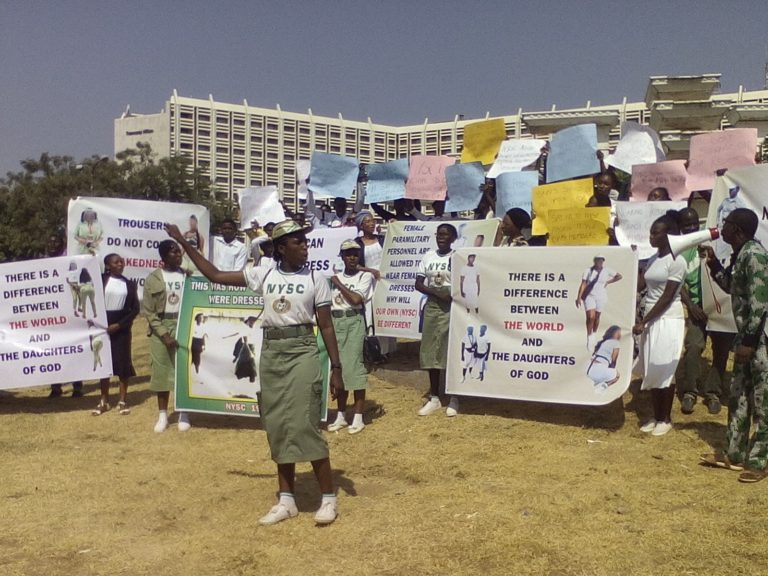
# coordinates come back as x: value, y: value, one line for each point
x: 33, y: 202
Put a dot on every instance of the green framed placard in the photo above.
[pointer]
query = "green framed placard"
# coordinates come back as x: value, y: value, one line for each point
x: 217, y: 362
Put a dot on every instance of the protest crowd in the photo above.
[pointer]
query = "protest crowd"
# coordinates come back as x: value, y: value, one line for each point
x: 270, y: 258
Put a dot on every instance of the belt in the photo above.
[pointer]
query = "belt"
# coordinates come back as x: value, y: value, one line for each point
x: 342, y: 313
x: 169, y: 315
x: 294, y: 331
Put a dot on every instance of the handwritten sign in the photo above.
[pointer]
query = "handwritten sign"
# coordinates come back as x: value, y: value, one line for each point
x: 568, y: 194
x: 302, y: 176
x: 574, y: 153
x: 578, y: 226
x: 514, y: 155
x: 426, y: 177
x: 718, y: 150
x: 482, y: 140
x: 260, y: 203
x: 669, y: 174
x: 464, y: 182
x: 333, y: 175
x: 386, y: 181
x: 514, y: 189
x: 638, y: 145
x: 633, y: 223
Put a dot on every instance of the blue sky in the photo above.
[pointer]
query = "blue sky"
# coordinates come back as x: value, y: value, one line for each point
x: 69, y: 68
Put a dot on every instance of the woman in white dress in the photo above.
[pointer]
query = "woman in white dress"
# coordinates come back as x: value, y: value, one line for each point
x: 662, y: 329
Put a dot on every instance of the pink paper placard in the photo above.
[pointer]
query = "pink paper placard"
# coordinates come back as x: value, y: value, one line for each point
x: 670, y: 174
x: 718, y: 150
x: 426, y: 177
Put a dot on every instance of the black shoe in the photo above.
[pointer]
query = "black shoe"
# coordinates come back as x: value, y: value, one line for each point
x: 55, y: 391
x: 686, y: 406
x: 714, y: 406
x: 77, y: 393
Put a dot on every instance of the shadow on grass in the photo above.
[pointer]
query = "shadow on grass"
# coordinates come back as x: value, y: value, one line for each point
x: 21, y: 402
x: 713, y: 433
x: 307, y: 490
x: 609, y: 417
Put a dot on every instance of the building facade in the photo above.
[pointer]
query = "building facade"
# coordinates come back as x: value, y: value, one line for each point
x: 238, y: 145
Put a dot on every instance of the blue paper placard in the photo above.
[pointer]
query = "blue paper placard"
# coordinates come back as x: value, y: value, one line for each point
x: 464, y: 182
x: 573, y: 153
x: 386, y: 181
x: 513, y: 190
x: 331, y: 175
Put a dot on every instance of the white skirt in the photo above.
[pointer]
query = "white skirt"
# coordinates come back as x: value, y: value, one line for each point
x: 660, y: 348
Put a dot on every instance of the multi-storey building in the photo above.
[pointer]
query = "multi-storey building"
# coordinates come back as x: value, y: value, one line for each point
x: 239, y: 145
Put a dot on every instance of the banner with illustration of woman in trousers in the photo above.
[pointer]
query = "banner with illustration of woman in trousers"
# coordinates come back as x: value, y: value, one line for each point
x: 528, y: 339
x: 217, y: 362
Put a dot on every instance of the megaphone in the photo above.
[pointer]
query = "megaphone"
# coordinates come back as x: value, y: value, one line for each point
x: 680, y: 244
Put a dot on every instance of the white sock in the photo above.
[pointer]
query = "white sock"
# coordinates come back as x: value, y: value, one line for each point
x: 287, y: 499
x: 340, y: 418
x: 357, y: 421
x: 328, y: 498
x: 184, y: 417
x: 162, y: 416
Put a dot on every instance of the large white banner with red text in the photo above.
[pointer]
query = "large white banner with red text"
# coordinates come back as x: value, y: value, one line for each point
x: 523, y: 337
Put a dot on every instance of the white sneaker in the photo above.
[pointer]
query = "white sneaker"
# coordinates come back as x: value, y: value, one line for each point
x: 184, y: 423
x: 453, y: 407
x: 356, y: 429
x: 278, y: 513
x: 161, y: 425
x: 648, y: 426
x: 327, y: 512
x: 661, y: 428
x: 337, y: 425
x: 432, y: 405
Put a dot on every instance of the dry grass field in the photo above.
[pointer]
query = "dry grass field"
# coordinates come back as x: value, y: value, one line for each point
x: 505, y: 488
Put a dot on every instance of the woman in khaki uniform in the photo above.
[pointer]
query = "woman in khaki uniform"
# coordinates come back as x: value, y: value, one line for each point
x: 160, y: 306
x: 291, y: 374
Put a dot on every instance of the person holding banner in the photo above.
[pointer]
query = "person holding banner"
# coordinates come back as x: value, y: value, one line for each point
x: 350, y: 290
x: 510, y: 233
x: 160, y: 306
x: 291, y: 374
x: 662, y: 328
x: 122, y: 303
x: 746, y: 280
x: 433, y: 279
x: 371, y: 252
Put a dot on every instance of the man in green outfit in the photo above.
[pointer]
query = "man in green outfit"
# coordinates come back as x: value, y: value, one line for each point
x: 746, y: 279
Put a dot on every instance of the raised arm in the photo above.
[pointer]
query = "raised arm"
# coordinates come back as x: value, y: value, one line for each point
x: 209, y: 270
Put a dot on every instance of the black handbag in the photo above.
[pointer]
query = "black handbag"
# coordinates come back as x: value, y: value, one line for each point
x: 371, y: 346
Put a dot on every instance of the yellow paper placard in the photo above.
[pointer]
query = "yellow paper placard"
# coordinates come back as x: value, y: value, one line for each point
x: 567, y: 194
x: 482, y: 141
x: 579, y: 226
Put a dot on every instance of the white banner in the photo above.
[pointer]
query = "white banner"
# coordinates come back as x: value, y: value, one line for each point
x: 638, y: 145
x: 738, y: 188
x: 133, y: 229
x: 53, y: 322
x: 527, y: 339
x: 633, y: 223
x: 260, y: 203
x: 324, y: 244
x: 397, y: 307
